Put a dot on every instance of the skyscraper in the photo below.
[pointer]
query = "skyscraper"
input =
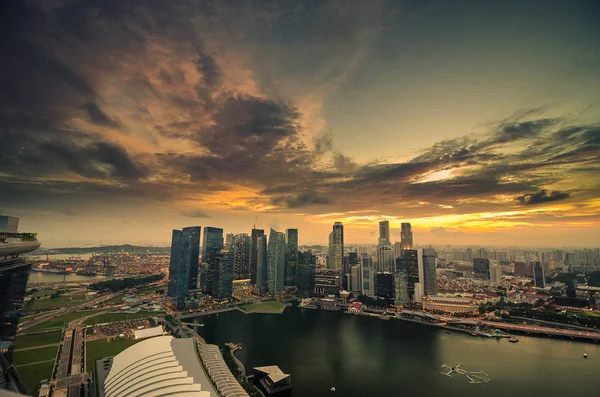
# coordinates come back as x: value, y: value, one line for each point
x: 14, y: 271
x: 174, y: 263
x: 336, y: 247
x: 241, y: 251
x: 256, y: 234
x: 384, y: 231
x: 261, y: 264
x: 212, y: 244
x: 410, y: 264
x: 406, y: 236
x: 306, y: 273
x: 291, y: 257
x: 368, y: 276
x: 481, y: 268
x: 495, y: 274
x: 384, y: 288
x: 356, y: 285
x: 385, y: 256
x: 223, y: 277
x: 275, y: 262
x: 427, y: 272
x: 186, y: 274
x: 538, y: 275
x: 401, y: 289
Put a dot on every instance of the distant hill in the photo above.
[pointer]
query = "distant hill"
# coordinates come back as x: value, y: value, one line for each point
x: 110, y: 249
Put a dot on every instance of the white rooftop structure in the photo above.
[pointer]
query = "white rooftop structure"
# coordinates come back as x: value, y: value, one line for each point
x: 147, y: 332
x: 161, y: 366
x: 273, y: 372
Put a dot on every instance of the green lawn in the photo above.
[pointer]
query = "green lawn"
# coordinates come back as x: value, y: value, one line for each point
x: 592, y: 314
x: 33, y: 374
x: 264, y: 307
x: 61, y: 301
x: 42, y: 339
x: 60, y: 320
x: 113, y: 317
x: 34, y: 355
x: 102, y: 348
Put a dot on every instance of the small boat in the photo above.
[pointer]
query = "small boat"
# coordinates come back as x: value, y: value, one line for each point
x: 448, y: 332
x: 473, y: 334
x: 513, y: 340
x: 333, y: 389
x: 584, y: 355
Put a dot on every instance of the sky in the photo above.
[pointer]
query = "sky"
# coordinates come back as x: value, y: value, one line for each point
x: 476, y: 121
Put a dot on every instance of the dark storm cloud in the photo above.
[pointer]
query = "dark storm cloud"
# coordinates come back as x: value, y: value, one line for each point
x: 98, y: 116
x: 303, y: 199
x: 542, y: 197
x: 195, y: 214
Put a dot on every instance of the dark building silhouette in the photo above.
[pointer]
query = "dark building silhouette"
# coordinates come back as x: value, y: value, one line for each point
x: 256, y: 234
x: 481, y: 268
x: 384, y: 286
x: 291, y: 257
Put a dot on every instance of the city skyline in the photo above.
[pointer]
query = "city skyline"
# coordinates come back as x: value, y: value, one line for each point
x: 477, y: 122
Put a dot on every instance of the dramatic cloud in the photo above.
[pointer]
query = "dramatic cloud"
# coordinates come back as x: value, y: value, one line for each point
x: 195, y: 214
x: 542, y: 197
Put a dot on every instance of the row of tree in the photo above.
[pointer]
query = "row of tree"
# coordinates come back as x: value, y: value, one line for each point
x: 121, y: 284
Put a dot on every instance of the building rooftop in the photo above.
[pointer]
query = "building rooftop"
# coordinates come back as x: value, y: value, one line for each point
x: 273, y: 372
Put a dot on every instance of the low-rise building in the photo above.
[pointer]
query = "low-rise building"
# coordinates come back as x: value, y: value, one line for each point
x: 449, y: 305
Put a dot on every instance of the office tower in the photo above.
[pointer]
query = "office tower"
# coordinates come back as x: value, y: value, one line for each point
x: 481, y: 268
x: 481, y: 253
x: 291, y: 257
x: 385, y: 256
x: 306, y: 274
x: 538, y: 275
x: 241, y: 254
x: 256, y: 234
x: 384, y: 231
x: 427, y: 272
x: 174, y: 263
x: 419, y: 292
x: 469, y: 255
x: 368, y: 276
x: 327, y: 282
x: 353, y: 258
x: 384, y: 288
x: 261, y: 265
x: 275, y: 262
x: 223, y: 277
x: 401, y: 289
x: 397, y: 249
x: 356, y: 279
x: 212, y: 242
x: 410, y: 264
x: 14, y: 271
x: 336, y: 247
x: 229, y: 240
x: 406, y: 236
x: 187, y: 272
x: 496, y: 274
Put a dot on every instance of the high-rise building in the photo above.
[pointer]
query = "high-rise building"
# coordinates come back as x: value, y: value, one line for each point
x: 384, y: 231
x: 368, y: 276
x: 385, y: 256
x: 419, y: 293
x: 223, y: 277
x: 401, y: 289
x: 496, y: 274
x: 229, y: 240
x: 256, y: 234
x: 481, y: 268
x: 174, y: 263
x: 353, y: 258
x: 538, y: 275
x: 212, y: 242
x: 384, y: 286
x: 406, y: 236
x: 291, y: 257
x: 397, y: 249
x: 261, y: 265
x: 427, y: 272
x: 409, y: 263
x: 14, y: 271
x: 356, y: 279
x: 241, y: 256
x: 306, y: 274
x: 469, y: 255
x: 186, y: 275
x: 275, y: 262
x: 336, y: 247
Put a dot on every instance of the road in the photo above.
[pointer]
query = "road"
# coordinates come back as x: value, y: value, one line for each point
x: 544, y: 330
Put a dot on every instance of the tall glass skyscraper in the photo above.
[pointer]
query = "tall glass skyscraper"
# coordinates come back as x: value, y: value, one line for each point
x: 14, y: 272
x: 427, y: 273
x: 223, y: 276
x: 275, y: 262
x: 241, y: 254
x: 384, y: 230
x: 335, y: 259
x: 291, y: 257
x: 212, y: 244
x: 409, y: 263
x: 406, y: 236
x: 261, y: 264
x: 183, y: 265
x: 256, y: 234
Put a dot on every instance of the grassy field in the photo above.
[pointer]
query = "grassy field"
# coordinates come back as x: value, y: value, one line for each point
x: 46, y: 338
x: 33, y: 374
x: 61, y: 301
x: 101, y: 348
x: 59, y: 321
x: 264, y: 307
x: 34, y: 355
x: 112, y: 317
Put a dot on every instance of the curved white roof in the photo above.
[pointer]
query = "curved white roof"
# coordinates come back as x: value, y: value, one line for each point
x: 157, y: 367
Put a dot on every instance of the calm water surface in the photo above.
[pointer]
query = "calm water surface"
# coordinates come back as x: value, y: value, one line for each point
x: 362, y: 356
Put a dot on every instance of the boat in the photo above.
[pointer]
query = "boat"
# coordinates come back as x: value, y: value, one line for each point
x: 54, y: 271
x: 473, y: 334
x: 513, y: 339
x: 384, y: 317
x: 448, y: 332
x: 584, y: 355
